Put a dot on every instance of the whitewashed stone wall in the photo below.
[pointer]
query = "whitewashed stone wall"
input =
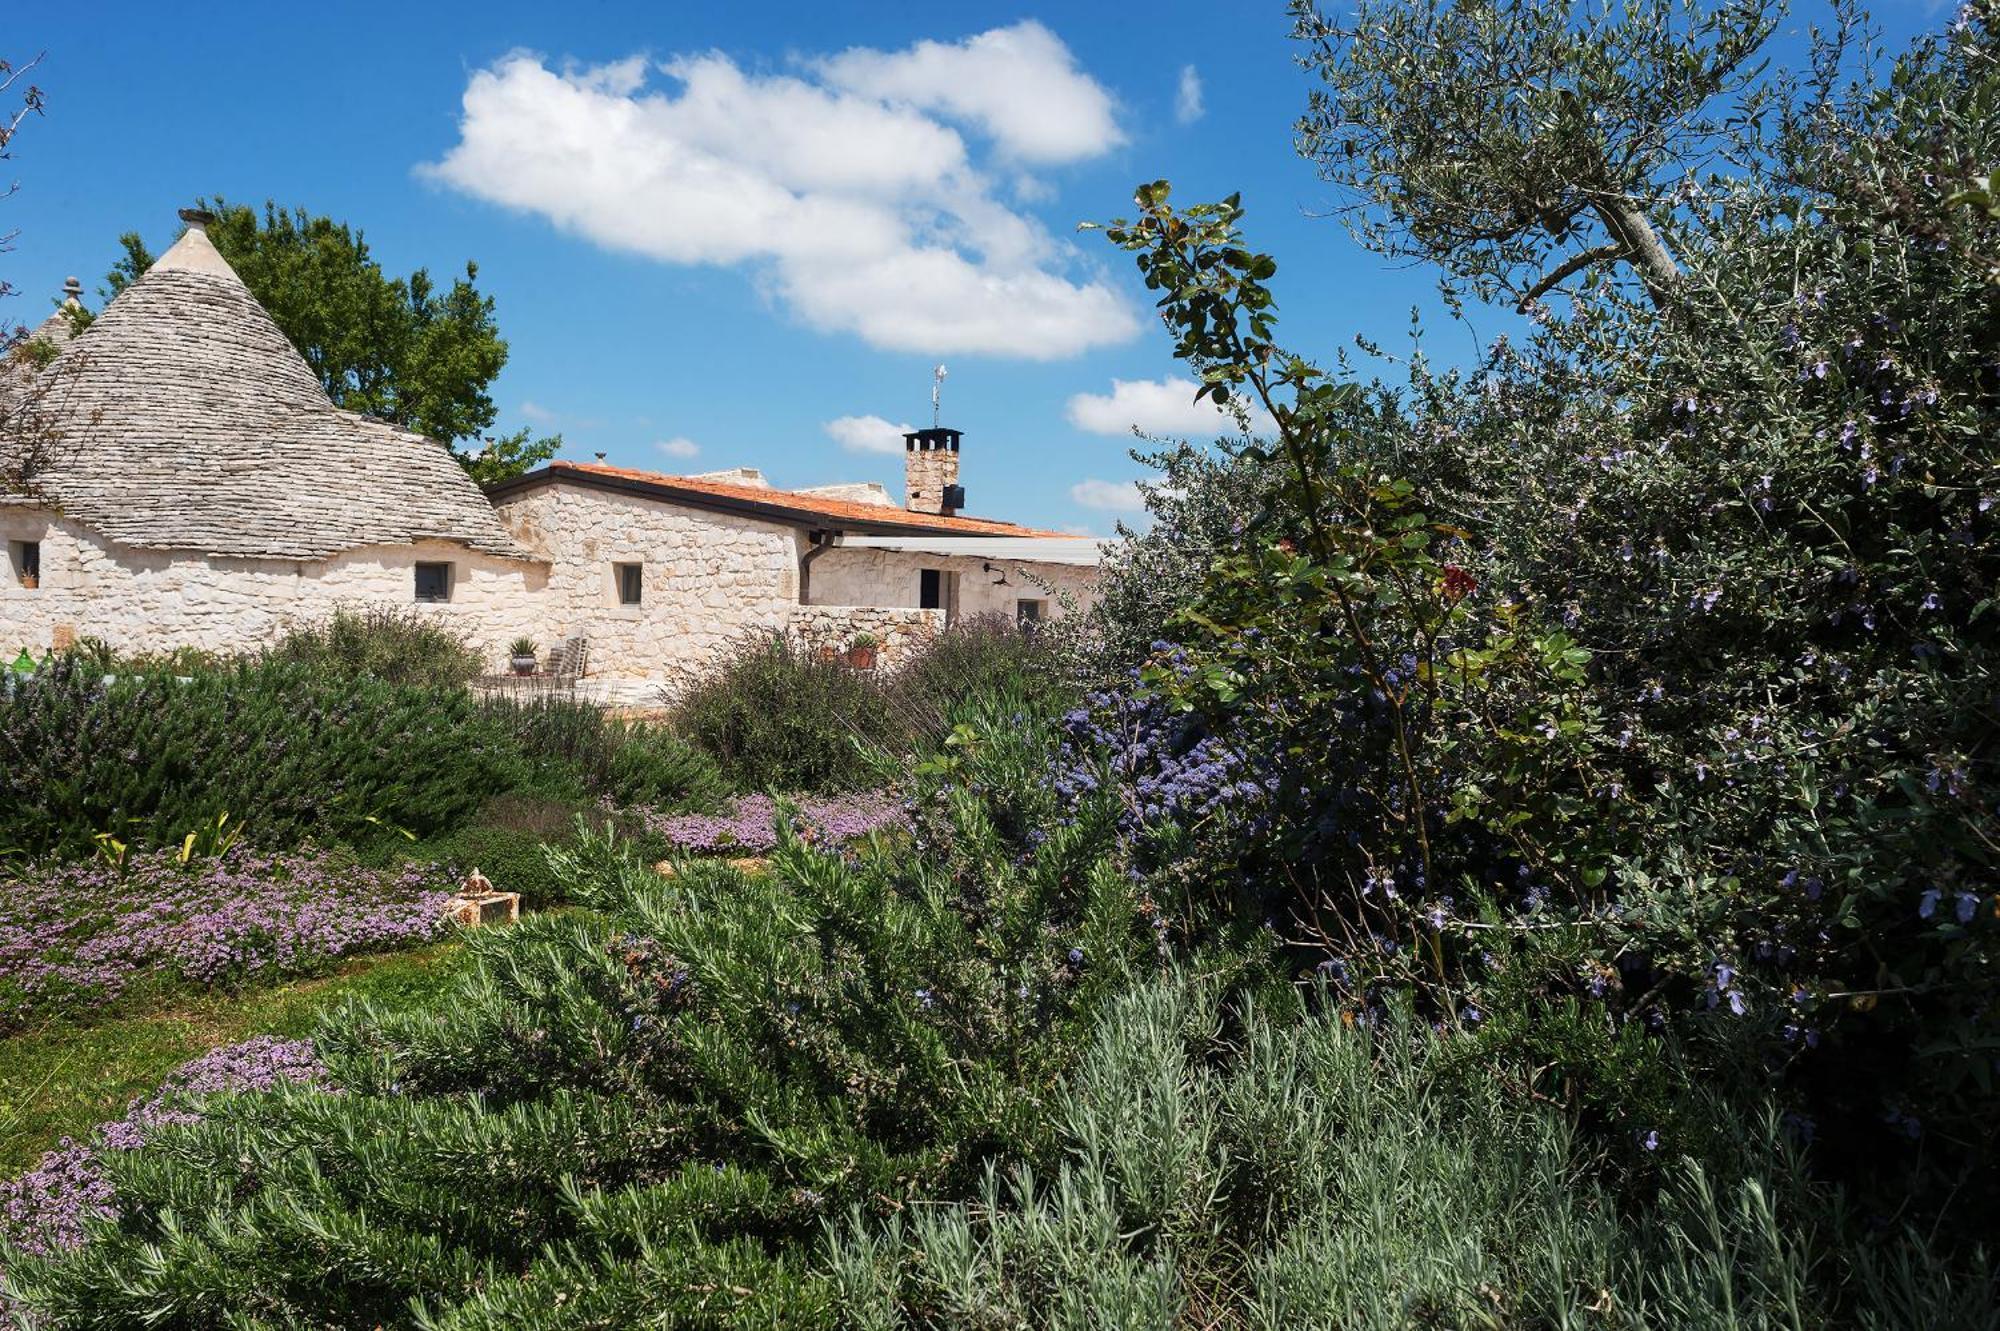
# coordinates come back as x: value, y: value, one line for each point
x: 150, y: 600
x: 708, y: 577
x: 847, y: 576
x: 897, y: 631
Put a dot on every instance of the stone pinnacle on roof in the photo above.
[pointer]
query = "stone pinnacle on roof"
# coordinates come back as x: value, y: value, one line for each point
x: 194, y: 252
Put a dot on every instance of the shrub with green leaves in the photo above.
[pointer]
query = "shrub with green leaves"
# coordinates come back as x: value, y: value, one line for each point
x: 982, y: 661
x: 778, y: 715
x: 290, y: 753
x: 646, y: 1108
x: 1654, y: 658
x: 574, y: 748
x: 1245, y: 1165
x: 393, y: 643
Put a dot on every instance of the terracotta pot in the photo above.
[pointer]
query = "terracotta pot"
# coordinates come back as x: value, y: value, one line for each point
x: 30, y: 581
x: 861, y: 658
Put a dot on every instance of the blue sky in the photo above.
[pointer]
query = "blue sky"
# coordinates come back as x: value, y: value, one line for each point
x: 726, y: 235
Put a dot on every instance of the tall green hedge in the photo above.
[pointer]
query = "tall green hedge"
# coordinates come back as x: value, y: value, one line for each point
x: 288, y: 752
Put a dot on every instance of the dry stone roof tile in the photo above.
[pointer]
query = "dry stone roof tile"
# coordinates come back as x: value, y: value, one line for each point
x: 191, y: 423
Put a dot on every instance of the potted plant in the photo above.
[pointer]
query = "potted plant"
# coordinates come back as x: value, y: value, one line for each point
x: 31, y: 580
x: 861, y: 651
x: 521, y: 656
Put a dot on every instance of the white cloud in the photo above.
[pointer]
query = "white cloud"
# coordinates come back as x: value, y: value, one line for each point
x: 680, y: 446
x: 1187, y: 96
x: 859, y: 211
x: 1117, y: 496
x: 537, y: 413
x: 1019, y: 85
x: 867, y: 434
x: 1157, y: 407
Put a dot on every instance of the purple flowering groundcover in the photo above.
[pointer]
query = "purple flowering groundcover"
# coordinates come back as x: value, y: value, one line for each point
x: 44, y: 1210
x: 749, y: 825
x: 84, y: 935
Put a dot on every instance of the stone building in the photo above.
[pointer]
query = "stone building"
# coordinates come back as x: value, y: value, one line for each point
x: 194, y: 486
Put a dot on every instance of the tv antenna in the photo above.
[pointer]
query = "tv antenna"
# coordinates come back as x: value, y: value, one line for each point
x: 937, y: 382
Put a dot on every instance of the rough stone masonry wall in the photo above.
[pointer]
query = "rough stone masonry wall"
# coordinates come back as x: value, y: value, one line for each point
x: 897, y: 631
x: 708, y: 577
x: 154, y: 601
x: 926, y: 473
x: 849, y: 576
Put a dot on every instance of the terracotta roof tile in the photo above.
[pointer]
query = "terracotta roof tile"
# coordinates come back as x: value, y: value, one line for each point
x: 780, y: 505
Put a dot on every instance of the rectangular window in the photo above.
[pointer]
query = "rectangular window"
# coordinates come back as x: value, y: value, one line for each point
x: 433, y: 582
x: 930, y: 589
x: 631, y: 583
x: 1030, y: 612
x: 26, y: 556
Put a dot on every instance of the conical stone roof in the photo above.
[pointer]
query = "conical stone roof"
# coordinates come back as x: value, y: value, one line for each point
x: 189, y: 422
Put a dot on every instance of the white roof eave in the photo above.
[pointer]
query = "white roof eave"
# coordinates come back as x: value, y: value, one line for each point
x: 1079, y: 551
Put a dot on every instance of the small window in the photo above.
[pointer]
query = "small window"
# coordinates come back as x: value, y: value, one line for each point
x: 631, y: 583
x: 930, y: 589
x: 1030, y: 612
x: 433, y: 582
x: 26, y: 557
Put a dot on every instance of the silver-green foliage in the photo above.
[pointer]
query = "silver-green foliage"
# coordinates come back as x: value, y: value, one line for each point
x: 1266, y: 1170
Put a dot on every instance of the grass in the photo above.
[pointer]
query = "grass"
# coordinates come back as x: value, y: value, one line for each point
x: 65, y: 1077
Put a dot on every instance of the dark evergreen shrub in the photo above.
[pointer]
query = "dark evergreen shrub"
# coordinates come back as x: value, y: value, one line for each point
x: 397, y: 644
x: 651, y: 765
x: 778, y: 715
x: 979, y: 659
x: 573, y: 748
x: 290, y: 753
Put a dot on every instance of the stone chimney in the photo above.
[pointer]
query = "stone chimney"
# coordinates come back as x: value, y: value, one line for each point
x: 930, y: 472
x: 72, y: 294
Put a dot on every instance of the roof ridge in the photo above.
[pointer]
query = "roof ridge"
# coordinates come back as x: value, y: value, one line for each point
x: 853, y: 512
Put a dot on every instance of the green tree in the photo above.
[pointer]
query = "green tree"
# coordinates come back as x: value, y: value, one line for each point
x: 405, y: 350
x: 1517, y: 143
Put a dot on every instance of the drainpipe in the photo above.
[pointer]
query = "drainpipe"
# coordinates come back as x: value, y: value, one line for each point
x: 822, y: 541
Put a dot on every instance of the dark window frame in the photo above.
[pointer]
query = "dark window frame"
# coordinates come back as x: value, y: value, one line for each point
x: 1030, y: 610
x: 635, y: 593
x: 26, y: 558
x: 445, y: 572
x: 930, y: 589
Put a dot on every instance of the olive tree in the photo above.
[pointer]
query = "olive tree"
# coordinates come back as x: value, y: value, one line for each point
x: 11, y: 118
x: 1517, y: 143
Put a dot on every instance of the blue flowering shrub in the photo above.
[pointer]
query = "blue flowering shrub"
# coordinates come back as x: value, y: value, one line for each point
x: 1634, y: 692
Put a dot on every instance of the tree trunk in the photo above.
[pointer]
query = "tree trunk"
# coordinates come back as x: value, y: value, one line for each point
x: 1635, y: 235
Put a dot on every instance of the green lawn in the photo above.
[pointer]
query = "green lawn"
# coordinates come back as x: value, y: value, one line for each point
x: 64, y: 1078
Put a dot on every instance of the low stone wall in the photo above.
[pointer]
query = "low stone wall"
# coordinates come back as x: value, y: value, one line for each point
x: 897, y: 630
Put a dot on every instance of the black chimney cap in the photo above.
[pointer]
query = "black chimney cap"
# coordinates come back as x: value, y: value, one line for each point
x: 931, y: 440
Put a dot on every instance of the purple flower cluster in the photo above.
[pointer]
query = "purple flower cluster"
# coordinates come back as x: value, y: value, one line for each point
x: 1166, y: 767
x: 749, y: 825
x: 44, y: 1210
x: 86, y: 933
